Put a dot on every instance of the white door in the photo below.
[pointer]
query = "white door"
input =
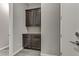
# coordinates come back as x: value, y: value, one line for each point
x: 50, y: 19
x: 69, y: 25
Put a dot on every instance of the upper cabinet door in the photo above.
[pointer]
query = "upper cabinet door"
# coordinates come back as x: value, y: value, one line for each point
x: 33, y: 17
x: 29, y: 17
x: 38, y: 17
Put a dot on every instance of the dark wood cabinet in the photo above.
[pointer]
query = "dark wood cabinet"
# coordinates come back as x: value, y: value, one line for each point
x: 36, y: 42
x: 32, y: 41
x: 33, y: 17
x: 38, y: 17
x: 27, y: 41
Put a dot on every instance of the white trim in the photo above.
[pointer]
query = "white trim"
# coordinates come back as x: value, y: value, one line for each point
x: 44, y: 54
x: 11, y: 29
x: 17, y: 51
x: 4, y: 47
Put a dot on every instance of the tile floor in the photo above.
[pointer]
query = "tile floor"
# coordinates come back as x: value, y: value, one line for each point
x: 28, y: 52
x: 4, y: 52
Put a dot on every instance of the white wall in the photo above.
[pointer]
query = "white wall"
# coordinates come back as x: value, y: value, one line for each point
x: 34, y: 5
x: 50, y: 16
x: 4, y: 25
x: 34, y: 29
x: 18, y: 25
x: 69, y: 25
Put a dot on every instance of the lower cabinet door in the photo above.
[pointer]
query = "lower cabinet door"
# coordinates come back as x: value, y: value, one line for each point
x: 36, y: 43
x: 27, y: 43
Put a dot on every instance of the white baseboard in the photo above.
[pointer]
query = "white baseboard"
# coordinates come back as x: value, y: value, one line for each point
x: 44, y: 54
x: 4, y: 47
x: 17, y: 51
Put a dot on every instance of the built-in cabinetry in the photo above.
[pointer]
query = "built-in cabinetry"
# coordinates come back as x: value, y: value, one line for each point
x: 32, y: 41
x: 33, y: 17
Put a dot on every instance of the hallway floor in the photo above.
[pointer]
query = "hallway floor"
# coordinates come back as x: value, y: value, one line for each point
x: 28, y: 52
x: 4, y: 52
